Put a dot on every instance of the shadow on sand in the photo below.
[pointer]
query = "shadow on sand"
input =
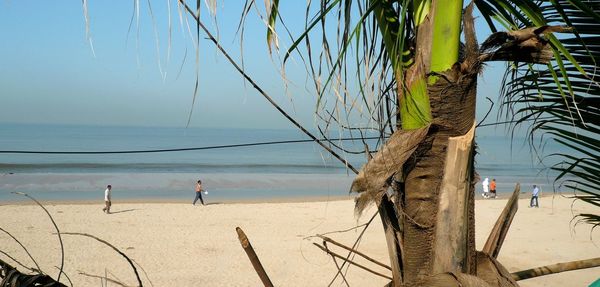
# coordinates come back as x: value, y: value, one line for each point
x: 210, y: 203
x: 121, y: 211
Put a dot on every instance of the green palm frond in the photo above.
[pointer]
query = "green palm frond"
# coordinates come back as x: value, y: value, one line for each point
x: 271, y: 35
x: 360, y: 52
x: 563, y: 97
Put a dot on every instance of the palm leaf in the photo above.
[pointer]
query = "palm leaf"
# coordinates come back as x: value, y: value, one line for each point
x: 565, y: 93
x: 373, y: 99
x: 272, y: 15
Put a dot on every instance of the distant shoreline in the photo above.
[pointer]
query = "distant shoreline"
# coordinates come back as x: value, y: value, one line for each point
x: 180, y: 201
x: 25, y: 201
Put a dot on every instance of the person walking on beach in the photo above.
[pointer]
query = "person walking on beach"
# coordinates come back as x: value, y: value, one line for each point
x: 199, y: 191
x: 534, y: 196
x: 107, y: 197
x: 493, y: 188
x: 486, y: 187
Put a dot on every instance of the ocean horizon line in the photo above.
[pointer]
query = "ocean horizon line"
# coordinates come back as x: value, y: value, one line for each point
x: 164, y: 167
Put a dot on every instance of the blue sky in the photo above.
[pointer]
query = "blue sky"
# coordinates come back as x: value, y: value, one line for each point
x: 48, y: 73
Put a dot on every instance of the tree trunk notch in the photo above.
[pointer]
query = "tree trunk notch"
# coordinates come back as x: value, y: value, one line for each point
x: 452, y: 245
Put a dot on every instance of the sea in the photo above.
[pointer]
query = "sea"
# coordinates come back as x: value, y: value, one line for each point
x: 230, y: 170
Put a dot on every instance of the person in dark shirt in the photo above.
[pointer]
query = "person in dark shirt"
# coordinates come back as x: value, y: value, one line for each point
x: 199, y: 191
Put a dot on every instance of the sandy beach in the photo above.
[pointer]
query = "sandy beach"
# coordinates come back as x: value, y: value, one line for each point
x: 178, y: 244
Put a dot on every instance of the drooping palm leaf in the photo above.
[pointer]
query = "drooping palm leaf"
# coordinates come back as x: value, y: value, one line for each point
x: 372, y: 100
x: 563, y: 97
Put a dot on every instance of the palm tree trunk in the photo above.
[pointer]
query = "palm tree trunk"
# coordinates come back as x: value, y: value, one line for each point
x: 434, y: 241
x: 453, y: 111
x: 429, y: 222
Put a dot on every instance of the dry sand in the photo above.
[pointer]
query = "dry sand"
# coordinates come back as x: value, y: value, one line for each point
x: 183, y: 245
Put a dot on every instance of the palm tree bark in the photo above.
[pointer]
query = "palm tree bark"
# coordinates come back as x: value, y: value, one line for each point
x: 453, y: 111
x: 452, y: 247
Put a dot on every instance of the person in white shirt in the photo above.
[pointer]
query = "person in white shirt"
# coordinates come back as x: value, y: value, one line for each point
x: 107, y: 197
x: 534, y: 197
x: 486, y: 187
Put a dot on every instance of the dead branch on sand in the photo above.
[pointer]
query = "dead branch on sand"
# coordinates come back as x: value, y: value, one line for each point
x: 556, y: 268
x: 253, y: 258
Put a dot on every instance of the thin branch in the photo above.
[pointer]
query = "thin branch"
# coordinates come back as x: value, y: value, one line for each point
x: 509, y: 122
x: 342, y: 125
x: 335, y: 231
x: 137, y: 276
x: 337, y: 265
x: 102, y: 277
x: 327, y: 239
x: 354, y: 245
x: 15, y: 260
x: 145, y: 273
x: 26, y: 251
x: 62, y: 249
x: 108, y: 272
x: 337, y: 146
x: 351, y: 262
x: 486, y: 114
x: 66, y: 276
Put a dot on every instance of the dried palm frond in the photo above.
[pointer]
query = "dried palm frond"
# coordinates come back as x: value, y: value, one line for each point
x: 374, y: 178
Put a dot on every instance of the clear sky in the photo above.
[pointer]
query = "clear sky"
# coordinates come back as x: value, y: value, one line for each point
x: 49, y: 74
